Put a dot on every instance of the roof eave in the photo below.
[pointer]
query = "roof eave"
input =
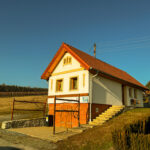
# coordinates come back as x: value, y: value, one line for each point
x: 101, y: 73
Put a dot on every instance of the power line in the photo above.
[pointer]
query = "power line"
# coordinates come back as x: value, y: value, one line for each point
x: 134, y: 44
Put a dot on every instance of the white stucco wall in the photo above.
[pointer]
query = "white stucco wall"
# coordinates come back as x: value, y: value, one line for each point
x: 139, y: 97
x: 106, y: 91
x: 66, y: 79
x: 83, y: 99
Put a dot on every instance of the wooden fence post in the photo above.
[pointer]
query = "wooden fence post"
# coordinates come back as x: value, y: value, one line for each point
x: 12, y: 110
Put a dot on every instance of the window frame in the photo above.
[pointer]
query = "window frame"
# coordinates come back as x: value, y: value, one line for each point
x: 130, y: 92
x: 135, y: 93
x: 70, y: 83
x: 57, y: 85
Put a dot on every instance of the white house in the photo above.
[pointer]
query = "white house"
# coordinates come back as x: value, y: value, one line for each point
x: 73, y: 74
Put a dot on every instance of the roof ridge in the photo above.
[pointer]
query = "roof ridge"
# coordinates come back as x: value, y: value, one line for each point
x: 107, y: 68
x: 96, y: 58
x: 88, y: 62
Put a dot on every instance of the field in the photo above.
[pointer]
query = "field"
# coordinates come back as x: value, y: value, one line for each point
x: 6, y: 106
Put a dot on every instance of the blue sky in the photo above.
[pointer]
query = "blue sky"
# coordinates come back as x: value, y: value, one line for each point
x: 31, y: 31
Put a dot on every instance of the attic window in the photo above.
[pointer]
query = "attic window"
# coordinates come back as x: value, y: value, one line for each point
x: 67, y: 60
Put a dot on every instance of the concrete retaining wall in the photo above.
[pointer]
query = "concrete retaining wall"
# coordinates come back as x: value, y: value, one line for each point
x: 24, y: 123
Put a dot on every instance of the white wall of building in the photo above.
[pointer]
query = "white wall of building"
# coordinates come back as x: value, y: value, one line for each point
x: 139, y: 97
x: 106, y: 91
x: 83, y: 99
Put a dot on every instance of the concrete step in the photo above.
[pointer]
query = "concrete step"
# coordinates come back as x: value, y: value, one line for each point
x: 114, y: 109
x: 103, y: 117
x: 87, y: 126
x: 100, y: 120
x: 92, y: 123
x: 118, y: 106
x: 95, y: 124
x: 110, y: 111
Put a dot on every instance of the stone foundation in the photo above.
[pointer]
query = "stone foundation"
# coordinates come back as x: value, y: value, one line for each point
x: 36, y: 122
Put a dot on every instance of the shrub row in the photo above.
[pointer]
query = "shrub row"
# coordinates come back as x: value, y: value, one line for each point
x: 133, y: 137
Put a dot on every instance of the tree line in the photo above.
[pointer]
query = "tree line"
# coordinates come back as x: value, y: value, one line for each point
x: 15, y: 88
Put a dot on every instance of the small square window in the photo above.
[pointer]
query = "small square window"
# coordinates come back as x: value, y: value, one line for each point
x: 74, y: 83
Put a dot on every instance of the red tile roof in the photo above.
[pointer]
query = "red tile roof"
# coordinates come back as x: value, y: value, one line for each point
x: 91, y: 62
x: 106, y: 68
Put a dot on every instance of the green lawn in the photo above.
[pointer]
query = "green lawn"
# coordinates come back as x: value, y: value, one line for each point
x: 100, y: 137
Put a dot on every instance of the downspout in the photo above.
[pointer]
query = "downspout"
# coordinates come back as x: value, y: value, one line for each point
x: 91, y: 92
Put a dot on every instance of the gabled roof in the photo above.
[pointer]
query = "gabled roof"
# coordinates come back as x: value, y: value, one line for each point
x: 92, y: 64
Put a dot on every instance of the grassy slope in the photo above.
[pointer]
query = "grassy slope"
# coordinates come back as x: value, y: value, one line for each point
x: 100, y: 137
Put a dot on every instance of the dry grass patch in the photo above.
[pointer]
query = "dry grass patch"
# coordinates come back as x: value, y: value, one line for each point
x: 6, y: 105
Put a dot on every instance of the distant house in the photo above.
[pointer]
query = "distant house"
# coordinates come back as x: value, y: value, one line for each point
x: 73, y: 73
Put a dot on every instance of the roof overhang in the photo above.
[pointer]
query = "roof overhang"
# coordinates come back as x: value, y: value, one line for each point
x: 108, y: 76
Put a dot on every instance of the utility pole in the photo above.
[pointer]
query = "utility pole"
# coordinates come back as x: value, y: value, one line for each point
x: 95, y: 50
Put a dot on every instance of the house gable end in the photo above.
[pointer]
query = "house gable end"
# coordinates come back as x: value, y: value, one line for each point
x: 67, y: 64
x: 63, y: 50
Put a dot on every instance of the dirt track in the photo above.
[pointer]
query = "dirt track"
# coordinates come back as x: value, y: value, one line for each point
x: 9, y: 140
x: 4, y: 145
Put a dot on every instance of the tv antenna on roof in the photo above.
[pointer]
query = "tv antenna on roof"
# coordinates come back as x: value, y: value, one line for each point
x: 95, y: 50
